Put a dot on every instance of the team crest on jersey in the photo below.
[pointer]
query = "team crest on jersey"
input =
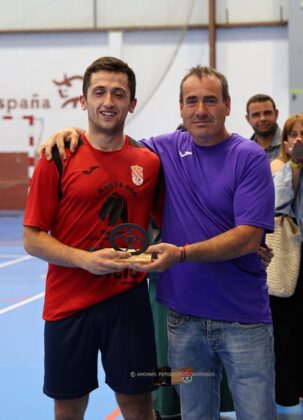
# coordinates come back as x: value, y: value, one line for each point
x: 137, y: 174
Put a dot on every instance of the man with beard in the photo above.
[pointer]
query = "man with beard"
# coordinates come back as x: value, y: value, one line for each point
x: 262, y: 115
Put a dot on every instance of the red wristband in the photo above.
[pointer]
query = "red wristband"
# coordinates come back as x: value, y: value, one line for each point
x: 182, y: 253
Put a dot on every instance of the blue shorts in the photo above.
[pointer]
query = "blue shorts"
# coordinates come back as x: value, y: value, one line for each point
x: 121, y: 328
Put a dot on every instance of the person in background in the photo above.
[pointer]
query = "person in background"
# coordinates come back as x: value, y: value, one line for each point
x: 166, y: 400
x: 93, y: 301
x: 262, y: 115
x: 219, y: 202
x: 287, y: 313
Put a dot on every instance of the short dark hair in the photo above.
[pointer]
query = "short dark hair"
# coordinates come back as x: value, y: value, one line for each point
x: 260, y: 97
x: 202, y: 71
x: 110, y: 64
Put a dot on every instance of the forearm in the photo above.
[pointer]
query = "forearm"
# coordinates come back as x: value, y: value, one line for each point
x: 235, y: 243
x: 103, y: 261
x: 39, y: 244
x: 295, y: 151
x: 296, y: 175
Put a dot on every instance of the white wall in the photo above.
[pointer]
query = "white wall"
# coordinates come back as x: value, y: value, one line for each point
x: 77, y: 14
x: 29, y: 66
x: 254, y: 60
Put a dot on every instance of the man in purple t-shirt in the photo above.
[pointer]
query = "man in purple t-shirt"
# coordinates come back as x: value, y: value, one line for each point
x: 219, y: 205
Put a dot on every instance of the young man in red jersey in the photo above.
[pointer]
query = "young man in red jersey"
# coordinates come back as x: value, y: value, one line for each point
x: 94, y: 303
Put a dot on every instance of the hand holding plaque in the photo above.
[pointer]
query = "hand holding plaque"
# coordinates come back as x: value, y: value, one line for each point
x: 133, y: 239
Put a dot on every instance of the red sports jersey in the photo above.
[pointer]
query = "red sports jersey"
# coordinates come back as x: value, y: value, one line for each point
x: 99, y: 190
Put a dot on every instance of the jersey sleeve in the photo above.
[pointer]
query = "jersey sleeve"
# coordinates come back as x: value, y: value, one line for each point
x: 254, y: 197
x: 150, y: 144
x: 43, y: 198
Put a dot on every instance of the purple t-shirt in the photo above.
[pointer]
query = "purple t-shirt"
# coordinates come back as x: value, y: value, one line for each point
x: 210, y: 190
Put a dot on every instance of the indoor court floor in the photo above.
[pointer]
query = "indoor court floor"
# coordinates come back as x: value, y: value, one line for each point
x: 22, y: 280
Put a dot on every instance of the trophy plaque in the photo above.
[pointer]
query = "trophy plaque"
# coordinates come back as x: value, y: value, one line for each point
x: 133, y: 239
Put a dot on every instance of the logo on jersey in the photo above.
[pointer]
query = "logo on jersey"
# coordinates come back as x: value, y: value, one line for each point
x: 137, y: 174
x: 186, y: 153
x: 90, y: 170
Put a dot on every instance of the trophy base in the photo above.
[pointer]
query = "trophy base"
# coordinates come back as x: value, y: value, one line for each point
x: 138, y: 259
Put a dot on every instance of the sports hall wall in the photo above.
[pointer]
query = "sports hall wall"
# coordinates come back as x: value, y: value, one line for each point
x: 45, y: 46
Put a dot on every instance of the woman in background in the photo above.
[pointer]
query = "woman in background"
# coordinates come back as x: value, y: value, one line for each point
x: 287, y: 313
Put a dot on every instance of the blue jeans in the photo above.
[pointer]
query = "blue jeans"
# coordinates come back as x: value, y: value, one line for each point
x: 245, y: 350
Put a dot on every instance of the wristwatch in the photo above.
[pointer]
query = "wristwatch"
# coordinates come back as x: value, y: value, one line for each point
x: 296, y: 165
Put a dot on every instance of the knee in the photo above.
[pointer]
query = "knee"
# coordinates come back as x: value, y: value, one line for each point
x: 70, y: 409
x: 136, y: 407
x: 136, y: 413
x: 64, y: 413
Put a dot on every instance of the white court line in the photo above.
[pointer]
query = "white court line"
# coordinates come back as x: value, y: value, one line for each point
x: 23, y: 302
x: 10, y: 255
x: 16, y: 261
